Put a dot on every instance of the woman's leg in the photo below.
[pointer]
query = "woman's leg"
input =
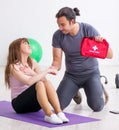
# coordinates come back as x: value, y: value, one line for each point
x: 54, y: 101
x: 52, y: 96
x: 42, y: 98
x: 45, y: 94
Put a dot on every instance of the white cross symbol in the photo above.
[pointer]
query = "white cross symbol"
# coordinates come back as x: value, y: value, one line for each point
x: 95, y: 48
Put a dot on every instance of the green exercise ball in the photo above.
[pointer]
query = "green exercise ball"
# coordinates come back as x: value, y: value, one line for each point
x: 36, y: 49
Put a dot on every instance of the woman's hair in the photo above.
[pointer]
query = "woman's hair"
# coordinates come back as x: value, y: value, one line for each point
x: 14, y: 56
x: 68, y: 12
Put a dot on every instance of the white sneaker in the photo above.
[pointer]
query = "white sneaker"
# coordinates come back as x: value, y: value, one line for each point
x: 62, y: 116
x: 53, y: 119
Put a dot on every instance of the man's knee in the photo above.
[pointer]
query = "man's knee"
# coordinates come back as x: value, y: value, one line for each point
x: 97, y: 107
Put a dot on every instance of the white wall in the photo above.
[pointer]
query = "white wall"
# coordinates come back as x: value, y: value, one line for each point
x: 36, y: 19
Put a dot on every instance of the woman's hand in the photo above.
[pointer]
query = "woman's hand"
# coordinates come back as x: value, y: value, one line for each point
x: 27, y: 71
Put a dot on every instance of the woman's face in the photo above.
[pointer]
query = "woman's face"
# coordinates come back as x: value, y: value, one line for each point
x: 25, y: 48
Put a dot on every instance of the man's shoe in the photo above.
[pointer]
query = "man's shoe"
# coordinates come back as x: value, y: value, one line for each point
x: 77, y: 98
x: 106, y: 96
x: 105, y: 93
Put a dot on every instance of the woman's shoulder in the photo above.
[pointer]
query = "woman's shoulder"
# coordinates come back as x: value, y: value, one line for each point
x: 14, y: 66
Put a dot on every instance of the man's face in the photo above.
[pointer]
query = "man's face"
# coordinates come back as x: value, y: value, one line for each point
x: 64, y: 25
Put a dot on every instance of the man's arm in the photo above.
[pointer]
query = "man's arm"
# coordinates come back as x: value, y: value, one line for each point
x: 109, y: 53
x: 57, y: 58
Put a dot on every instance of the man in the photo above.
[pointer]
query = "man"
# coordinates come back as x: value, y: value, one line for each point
x: 81, y: 72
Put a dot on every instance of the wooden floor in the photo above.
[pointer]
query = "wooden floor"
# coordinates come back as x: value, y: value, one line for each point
x: 109, y: 121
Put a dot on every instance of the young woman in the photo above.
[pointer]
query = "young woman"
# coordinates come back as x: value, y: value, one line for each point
x: 30, y: 90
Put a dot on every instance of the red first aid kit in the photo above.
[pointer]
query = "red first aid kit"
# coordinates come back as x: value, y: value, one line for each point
x: 92, y: 48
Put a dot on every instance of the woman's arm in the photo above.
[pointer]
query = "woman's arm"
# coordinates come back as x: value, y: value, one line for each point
x: 30, y: 80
